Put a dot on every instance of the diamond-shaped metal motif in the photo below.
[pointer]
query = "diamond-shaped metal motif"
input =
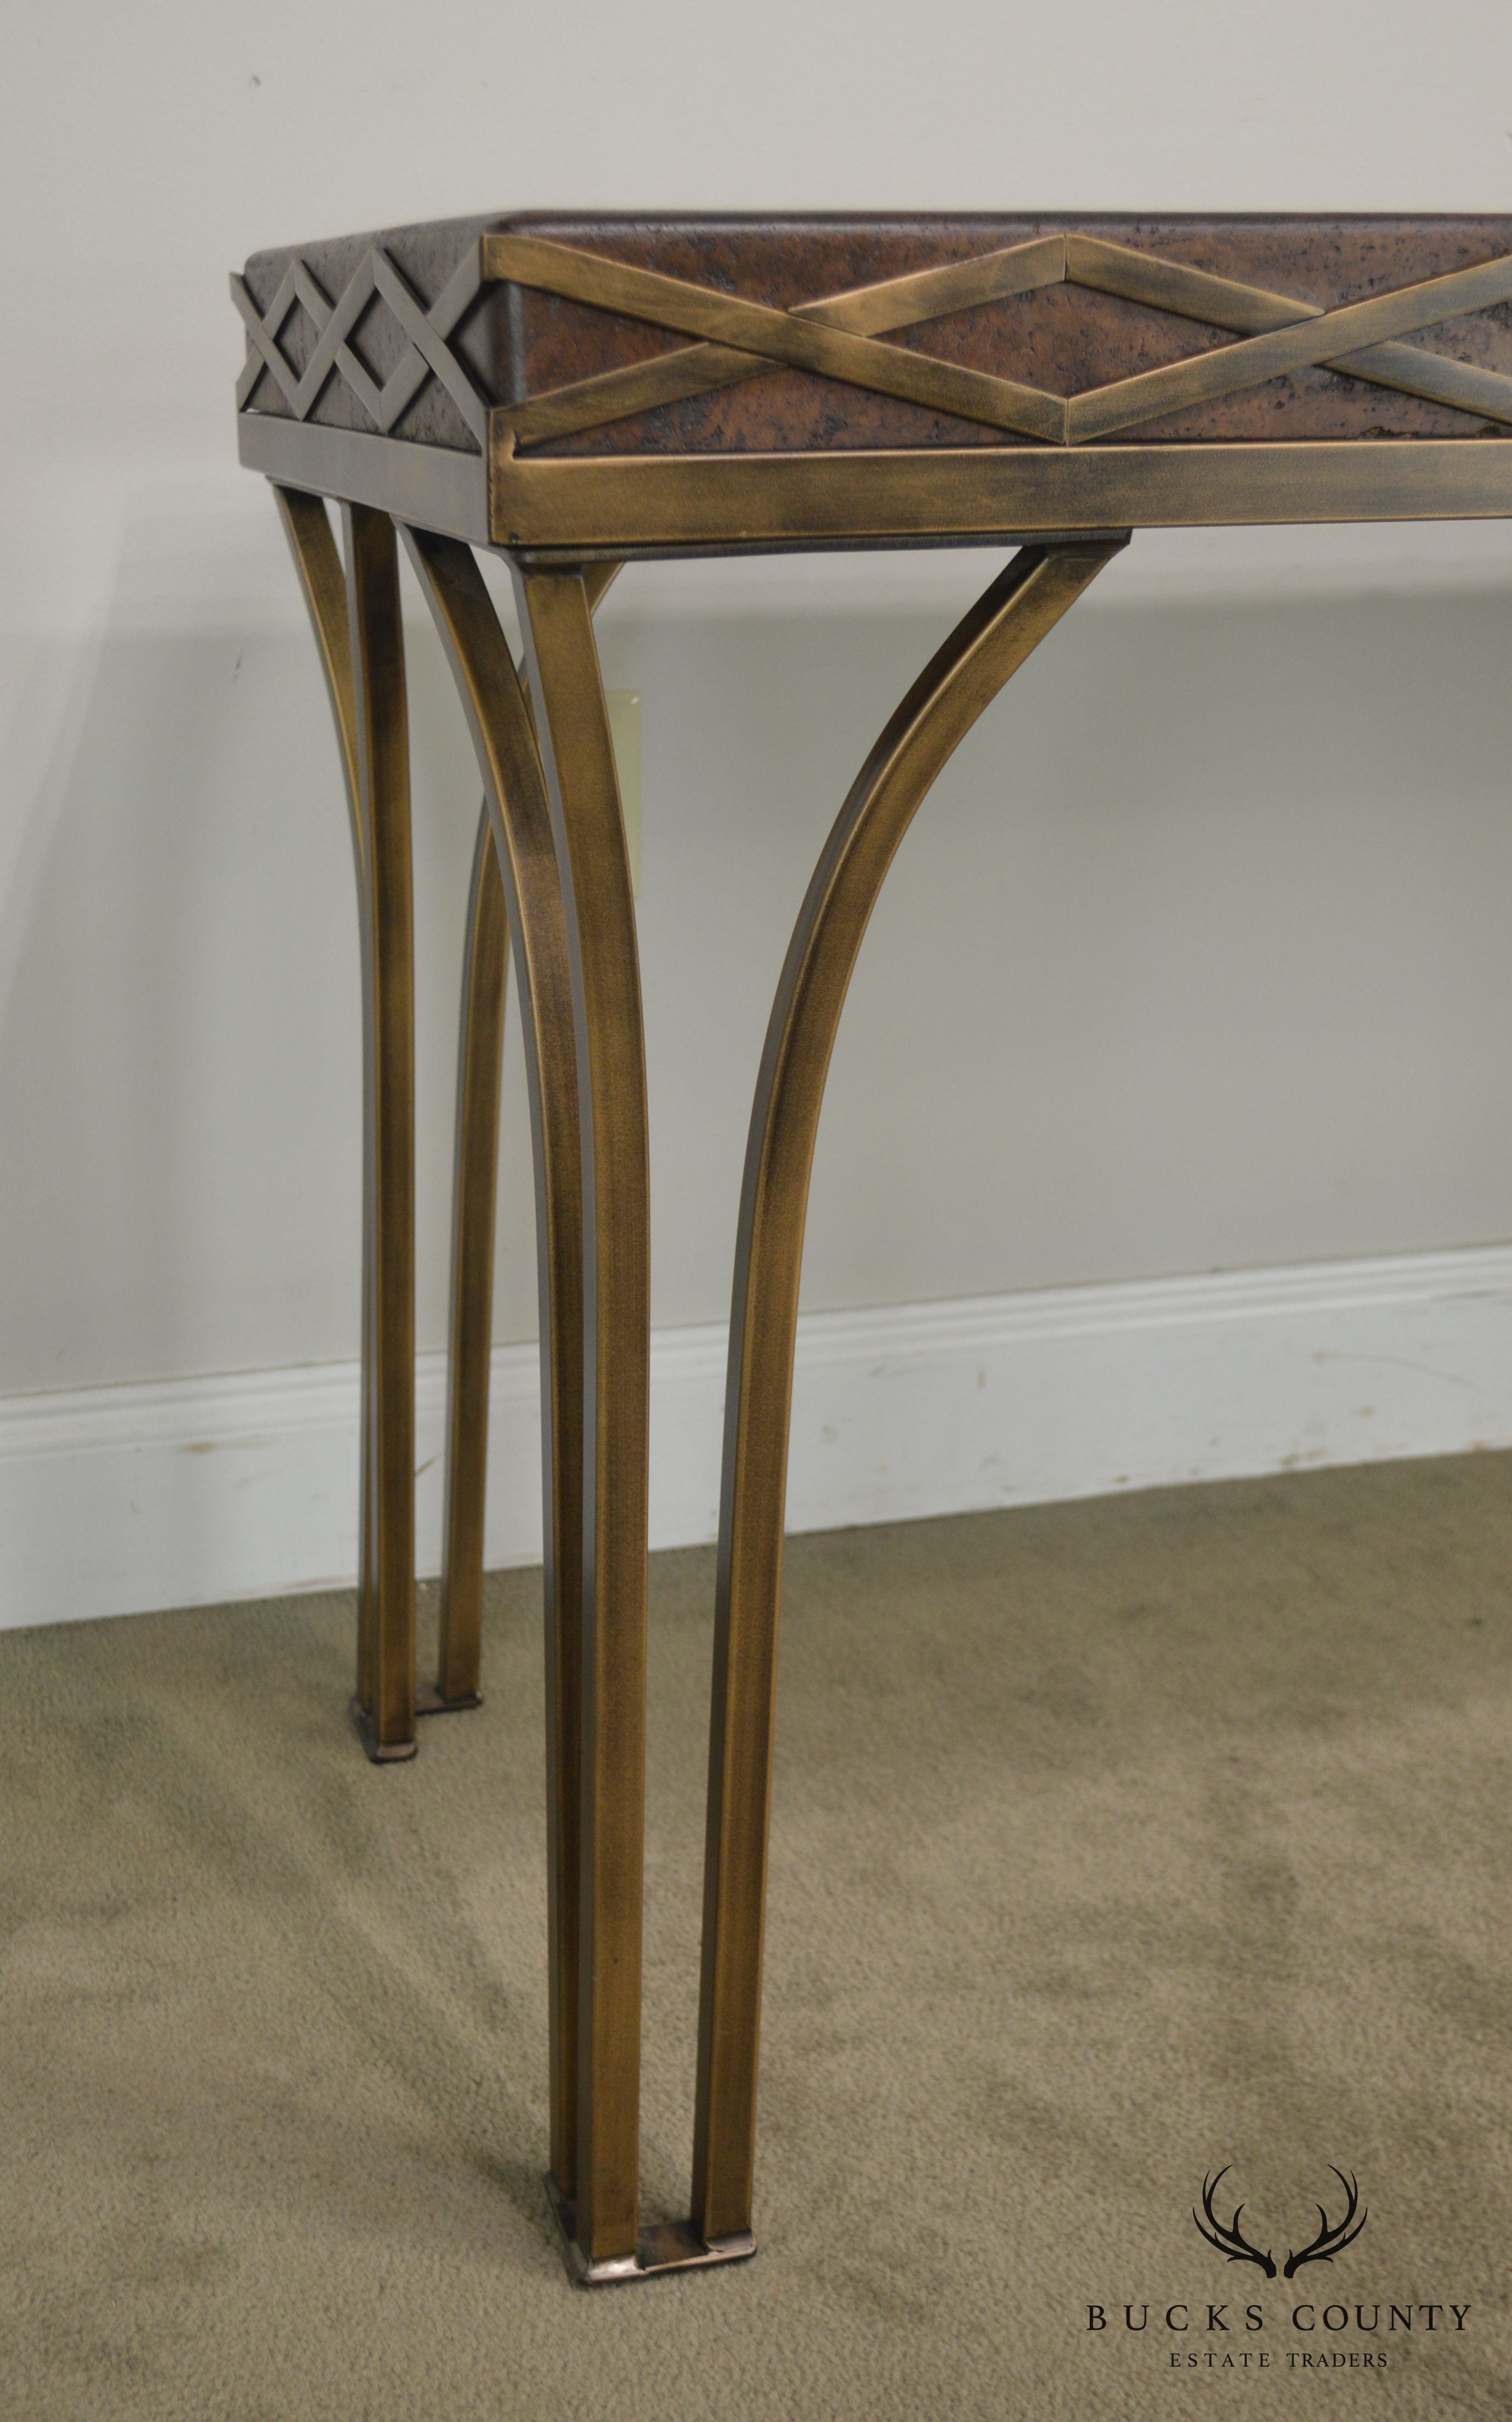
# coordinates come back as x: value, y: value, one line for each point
x: 839, y: 337
x: 427, y: 354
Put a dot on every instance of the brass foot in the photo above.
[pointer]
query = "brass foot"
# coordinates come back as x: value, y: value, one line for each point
x: 429, y: 1702
x: 663, y: 2245
x: 380, y: 1753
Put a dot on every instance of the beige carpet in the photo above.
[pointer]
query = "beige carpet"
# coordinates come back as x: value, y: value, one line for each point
x: 1113, y: 1842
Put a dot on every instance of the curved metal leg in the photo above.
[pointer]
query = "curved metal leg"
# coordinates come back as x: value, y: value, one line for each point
x: 357, y: 626
x: 989, y: 644
x: 383, y: 1707
x: 525, y: 853
x: 480, y: 1064
x: 307, y: 529
x: 556, y: 610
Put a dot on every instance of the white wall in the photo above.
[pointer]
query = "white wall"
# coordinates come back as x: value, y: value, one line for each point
x: 1196, y: 959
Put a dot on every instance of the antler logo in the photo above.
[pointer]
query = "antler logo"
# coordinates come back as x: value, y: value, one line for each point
x: 1332, y: 2239
x: 1229, y: 2240
x: 1332, y: 2236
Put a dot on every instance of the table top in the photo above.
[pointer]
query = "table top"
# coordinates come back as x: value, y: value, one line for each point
x: 1066, y: 371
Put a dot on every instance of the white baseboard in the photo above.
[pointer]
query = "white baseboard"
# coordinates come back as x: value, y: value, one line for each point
x: 183, y: 1492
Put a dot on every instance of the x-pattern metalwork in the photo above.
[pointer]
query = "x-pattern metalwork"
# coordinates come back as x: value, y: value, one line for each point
x: 427, y: 354
x: 839, y: 337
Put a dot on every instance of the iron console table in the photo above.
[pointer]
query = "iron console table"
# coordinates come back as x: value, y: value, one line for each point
x: 577, y: 391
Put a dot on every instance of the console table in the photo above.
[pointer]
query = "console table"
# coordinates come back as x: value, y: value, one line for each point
x: 578, y: 391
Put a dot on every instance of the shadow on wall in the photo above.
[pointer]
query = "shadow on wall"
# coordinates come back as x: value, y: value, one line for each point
x: 1195, y: 959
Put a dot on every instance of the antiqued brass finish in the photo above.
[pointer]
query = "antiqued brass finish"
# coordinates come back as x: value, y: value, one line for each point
x: 660, y: 2245
x: 598, y: 579
x: 1250, y: 311
x: 431, y: 487
x: 525, y: 407
x: 1340, y: 339
x: 803, y: 339
x: 430, y: 354
x: 576, y: 960
x: 307, y: 527
x: 366, y: 686
x: 654, y: 499
x: 479, y: 1059
x: 504, y: 740
x: 384, y: 1706
x: 629, y: 506
x: 868, y: 311
x: 1023, y: 603
x: 806, y: 343
x: 640, y: 505
x: 533, y: 329
x: 556, y: 614
x: 479, y: 1067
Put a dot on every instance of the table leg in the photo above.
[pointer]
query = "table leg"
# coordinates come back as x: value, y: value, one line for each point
x: 366, y: 684
x: 384, y: 1706
x: 479, y: 1059
x: 577, y: 758
x: 997, y: 634
x: 525, y: 853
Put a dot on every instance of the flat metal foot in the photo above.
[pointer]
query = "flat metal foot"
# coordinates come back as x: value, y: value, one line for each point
x: 380, y: 1753
x: 429, y: 1702
x: 664, y: 2245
